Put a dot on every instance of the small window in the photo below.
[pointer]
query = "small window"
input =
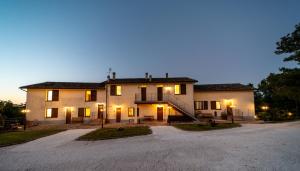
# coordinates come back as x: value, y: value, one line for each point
x: 80, y: 112
x: 115, y: 90
x: 52, y: 95
x: 119, y: 91
x: 180, y: 89
x: 201, y: 105
x: 49, y: 95
x: 215, y: 105
x: 131, y: 112
x: 177, y: 89
x: 87, y: 112
x: 88, y: 95
x: 52, y: 113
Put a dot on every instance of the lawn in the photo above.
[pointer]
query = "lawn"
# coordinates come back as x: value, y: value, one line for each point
x: 18, y: 137
x: 113, y: 133
x: 203, y: 127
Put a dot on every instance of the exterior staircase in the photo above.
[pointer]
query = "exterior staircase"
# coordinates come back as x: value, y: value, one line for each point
x: 169, y: 99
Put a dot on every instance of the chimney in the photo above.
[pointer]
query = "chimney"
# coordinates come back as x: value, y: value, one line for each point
x: 146, y: 75
x: 108, y: 77
x: 167, y: 75
x: 114, y: 75
x: 150, y: 78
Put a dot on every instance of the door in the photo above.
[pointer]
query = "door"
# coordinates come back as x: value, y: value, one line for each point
x: 100, y: 111
x: 159, y: 93
x: 143, y: 93
x: 118, y: 114
x: 160, y: 113
x: 229, y: 112
x: 68, y: 116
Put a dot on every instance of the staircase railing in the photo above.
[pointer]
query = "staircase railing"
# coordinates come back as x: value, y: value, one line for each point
x: 167, y: 97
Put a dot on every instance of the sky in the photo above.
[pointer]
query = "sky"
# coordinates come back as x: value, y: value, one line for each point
x: 213, y: 41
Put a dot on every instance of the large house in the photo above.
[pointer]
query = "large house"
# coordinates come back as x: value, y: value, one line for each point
x: 135, y: 99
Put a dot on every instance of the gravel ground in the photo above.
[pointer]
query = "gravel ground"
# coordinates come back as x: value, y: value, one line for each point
x: 251, y: 147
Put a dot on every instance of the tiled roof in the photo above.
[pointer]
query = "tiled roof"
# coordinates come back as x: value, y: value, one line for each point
x: 65, y: 85
x: 153, y: 80
x: 222, y: 87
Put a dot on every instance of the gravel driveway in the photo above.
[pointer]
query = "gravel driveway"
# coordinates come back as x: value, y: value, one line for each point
x: 251, y: 147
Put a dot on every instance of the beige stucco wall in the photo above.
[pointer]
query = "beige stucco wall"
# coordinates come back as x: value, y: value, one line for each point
x: 68, y: 98
x: 127, y: 99
x: 243, y: 101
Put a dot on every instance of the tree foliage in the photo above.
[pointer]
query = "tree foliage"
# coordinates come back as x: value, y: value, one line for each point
x: 10, y: 110
x: 281, y: 91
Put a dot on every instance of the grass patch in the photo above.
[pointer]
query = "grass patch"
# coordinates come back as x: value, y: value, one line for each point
x: 18, y: 137
x: 202, y: 127
x: 113, y: 133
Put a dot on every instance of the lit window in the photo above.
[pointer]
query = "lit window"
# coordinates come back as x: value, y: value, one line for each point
x: 218, y: 105
x: 119, y: 90
x: 201, y: 105
x: 130, y: 112
x: 87, y: 112
x: 215, y: 105
x: 177, y: 89
x: 88, y: 95
x: 52, y: 113
x: 48, y: 113
x: 49, y: 95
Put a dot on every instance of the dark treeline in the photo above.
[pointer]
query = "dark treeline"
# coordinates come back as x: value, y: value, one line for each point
x: 277, y: 97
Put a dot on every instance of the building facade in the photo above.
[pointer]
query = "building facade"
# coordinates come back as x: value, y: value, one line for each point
x: 134, y: 99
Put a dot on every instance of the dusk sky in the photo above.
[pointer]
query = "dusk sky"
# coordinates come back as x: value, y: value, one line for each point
x: 212, y: 41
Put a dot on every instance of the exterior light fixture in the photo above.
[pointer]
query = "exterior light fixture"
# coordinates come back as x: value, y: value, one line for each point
x: 264, y: 107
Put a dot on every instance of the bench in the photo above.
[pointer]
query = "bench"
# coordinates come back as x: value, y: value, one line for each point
x: 148, y: 118
x: 77, y: 119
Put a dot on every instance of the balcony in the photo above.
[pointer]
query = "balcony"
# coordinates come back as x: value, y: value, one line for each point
x: 151, y: 98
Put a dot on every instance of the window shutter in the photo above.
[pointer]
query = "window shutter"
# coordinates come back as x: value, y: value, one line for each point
x: 182, y: 88
x: 54, y: 113
x: 55, y: 95
x: 213, y: 105
x: 205, y: 105
x: 113, y: 90
x: 93, y: 95
x: 80, y: 112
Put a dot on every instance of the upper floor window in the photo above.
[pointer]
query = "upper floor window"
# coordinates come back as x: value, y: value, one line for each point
x: 215, y: 105
x: 52, y: 113
x: 180, y: 89
x: 115, y: 90
x: 201, y: 105
x: 131, y: 112
x: 90, y: 95
x: 52, y: 95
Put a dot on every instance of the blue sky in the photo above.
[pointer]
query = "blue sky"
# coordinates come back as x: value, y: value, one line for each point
x: 212, y: 41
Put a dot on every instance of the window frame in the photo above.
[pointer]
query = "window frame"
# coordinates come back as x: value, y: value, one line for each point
x: 53, y: 114
x: 54, y: 95
x: 85, y: 112
x: 114, y: 90
x: 203, y: 105
x: 215, y: 105
x: 133, y: 112
x: 181, y: 89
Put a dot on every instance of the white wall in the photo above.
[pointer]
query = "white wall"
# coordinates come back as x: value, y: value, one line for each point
x: 68, y: 98
x: 243, y: 101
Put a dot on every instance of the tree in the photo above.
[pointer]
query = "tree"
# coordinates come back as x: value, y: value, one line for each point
x: 290, y: 44
x: 10, y: 110
x: 281, y: 91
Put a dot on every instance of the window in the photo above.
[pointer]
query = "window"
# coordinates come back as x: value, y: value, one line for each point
x: 80, y: 112
x: 115, y: 90
x: 119, y: 91
x: 180, y: 89
x: 90, y: 95
x: 52, y: 113
x: 215, y: 105
x: 52, y: 95
x: 131, y: 112
x: 201, y: 105
x: 87, y: 112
